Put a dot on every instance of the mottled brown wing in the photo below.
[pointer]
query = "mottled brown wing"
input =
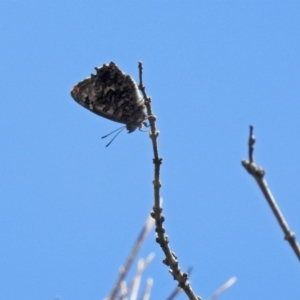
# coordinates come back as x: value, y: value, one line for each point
x: 113, y: 95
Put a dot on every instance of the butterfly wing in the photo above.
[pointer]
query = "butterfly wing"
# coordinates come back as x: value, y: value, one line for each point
x: 113, y: 95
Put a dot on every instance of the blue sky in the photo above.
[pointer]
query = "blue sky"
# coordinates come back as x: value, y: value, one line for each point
x: 71, y: 208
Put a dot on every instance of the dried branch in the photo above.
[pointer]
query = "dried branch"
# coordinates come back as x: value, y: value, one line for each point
x: 147, y: 227
x: 137, y: 280
x: 123, y: 290
x: 135, y: 284
x: 178, y: 290
x: 146, y: 294
x: 162, y: 239
x: 229, y: 283
x: 258, y: 174
x: 175, y: 293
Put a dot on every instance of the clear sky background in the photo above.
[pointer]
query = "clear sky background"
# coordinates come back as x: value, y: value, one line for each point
x: 71, y: 208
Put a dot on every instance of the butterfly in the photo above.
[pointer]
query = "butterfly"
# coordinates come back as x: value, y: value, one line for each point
x: 113, y: 95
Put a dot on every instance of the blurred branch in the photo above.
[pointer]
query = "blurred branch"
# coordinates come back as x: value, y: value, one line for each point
x: 147, y: 227
x: 178, y: 290
x: 146, y: 294
x: 135, y: 282
x: 162, y: 239
x: 142, y: 265
x: 229, y: 283
x: 258, y: 174
x: 123, y: 290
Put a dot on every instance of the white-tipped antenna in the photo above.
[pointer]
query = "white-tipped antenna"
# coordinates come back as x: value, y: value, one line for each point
x: 119, y: 129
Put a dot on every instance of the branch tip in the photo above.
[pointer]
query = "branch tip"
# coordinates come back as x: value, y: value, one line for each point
x: 258, y: 174
x: 161, y: 238
x: 251, y: 143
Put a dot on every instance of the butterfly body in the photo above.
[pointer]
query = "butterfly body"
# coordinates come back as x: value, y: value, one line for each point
x: 113, y: 95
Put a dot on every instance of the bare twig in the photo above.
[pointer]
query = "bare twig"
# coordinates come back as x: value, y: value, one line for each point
x: 162, y: 239
x: 147, y: 227
x: 223, y: 288
x: 123, y: 290
x: 175, y: 293
x: 146, y: 294
x: 178, y: 289
x: 135, y: 284
x: 251, y: 143
x: 258, y: 174
x: 137, y: 280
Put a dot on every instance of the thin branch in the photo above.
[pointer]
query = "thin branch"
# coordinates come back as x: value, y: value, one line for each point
x: 137, y: 280
x: 178, y: 290
x: 146, y: 294
x: 135, y: 283
x: 251, y: 143
x: 144, y: 232
x: 258, y: 174
x: 123, y: 290
x: 175, y: 293
x: 229, y: 283
x: 162, y: 239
